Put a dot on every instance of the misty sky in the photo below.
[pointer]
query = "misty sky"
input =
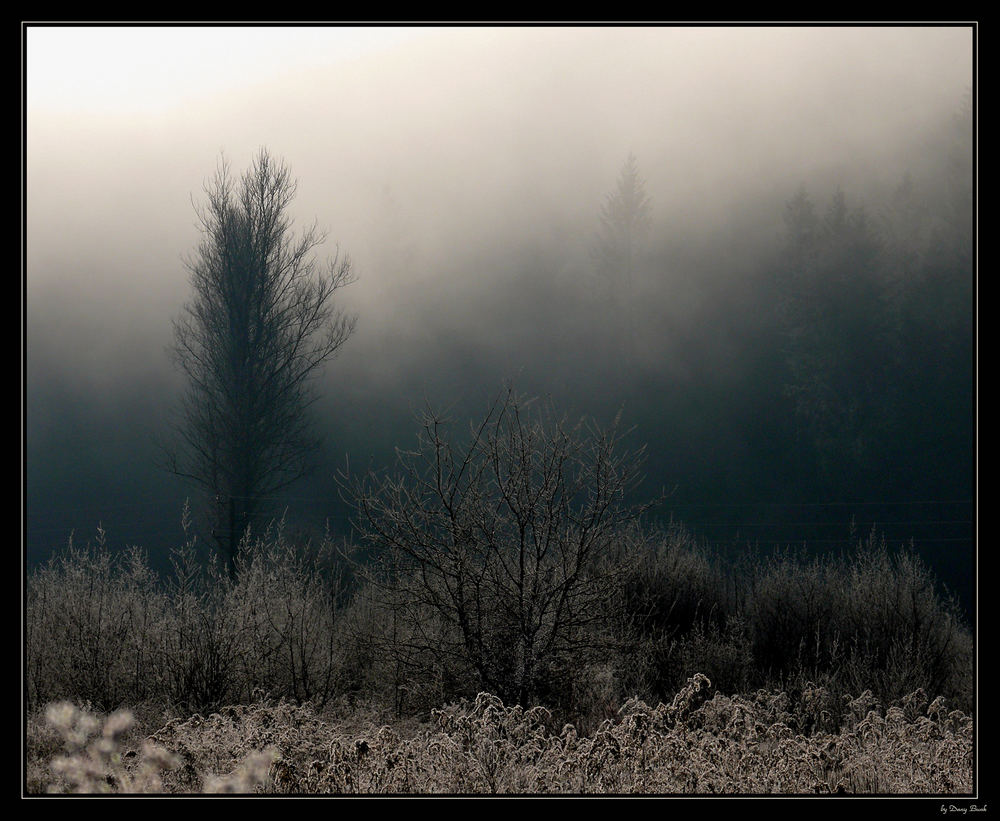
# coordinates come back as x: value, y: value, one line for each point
x: 448, y: 141
x: 445, y: 162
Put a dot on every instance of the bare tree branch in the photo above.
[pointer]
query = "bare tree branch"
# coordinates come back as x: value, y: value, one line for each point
x: 502, y: 538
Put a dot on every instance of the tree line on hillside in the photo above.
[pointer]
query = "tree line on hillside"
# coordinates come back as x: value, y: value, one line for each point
x: 838, y: 368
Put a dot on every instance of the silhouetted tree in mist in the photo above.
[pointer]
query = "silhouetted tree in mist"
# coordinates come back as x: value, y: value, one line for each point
x: 624, y: 224
x: 930, y: 231
x: 260, y: 325
x: 839, y: 338
x: 876, y: 311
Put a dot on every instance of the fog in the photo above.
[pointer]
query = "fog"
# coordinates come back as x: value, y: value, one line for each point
x: 463, y: 170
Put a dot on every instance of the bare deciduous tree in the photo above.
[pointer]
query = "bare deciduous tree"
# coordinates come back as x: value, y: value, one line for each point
x: 259, y: 327
x: 491, y: 553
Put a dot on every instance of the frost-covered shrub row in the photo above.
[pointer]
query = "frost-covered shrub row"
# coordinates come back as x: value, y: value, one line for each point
x: 107, y: 631
x: 871, y: 620
x: 293, y: 623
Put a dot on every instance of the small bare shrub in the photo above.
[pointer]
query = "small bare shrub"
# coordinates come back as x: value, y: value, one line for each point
x: 286, y: 600
x: 501, y: 537
x: 674, y: 596
x: 901, y: 634
x: 91, y: 621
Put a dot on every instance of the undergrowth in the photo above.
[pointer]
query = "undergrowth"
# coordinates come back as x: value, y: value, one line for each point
x: 701, y: 742
x: 830, y: 675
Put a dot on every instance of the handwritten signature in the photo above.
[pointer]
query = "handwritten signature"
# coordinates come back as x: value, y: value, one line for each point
x: 949, y: 808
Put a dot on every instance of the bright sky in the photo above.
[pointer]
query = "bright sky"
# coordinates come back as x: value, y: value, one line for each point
x: 152, y: 68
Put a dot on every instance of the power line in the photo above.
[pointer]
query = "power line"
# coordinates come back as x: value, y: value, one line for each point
x: 819, y: 523
x: 845, y: 540
x: 829, y: 504
x: 48, y: 511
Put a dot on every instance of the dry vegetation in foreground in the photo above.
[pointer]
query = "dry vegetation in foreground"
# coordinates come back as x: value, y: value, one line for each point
x: 700, y: 743
x: 306, y: 672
